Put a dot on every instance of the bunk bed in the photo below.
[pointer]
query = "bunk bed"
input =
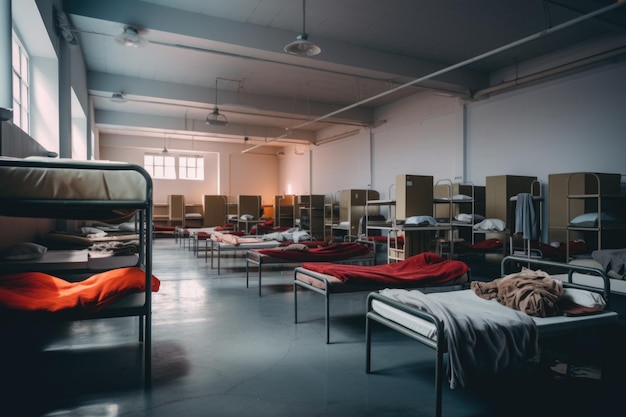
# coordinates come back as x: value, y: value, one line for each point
x: 424, y: 270
x: 440, y: 321
x: 360, y: 251
x: 111, y: 192
x: 602, y: 215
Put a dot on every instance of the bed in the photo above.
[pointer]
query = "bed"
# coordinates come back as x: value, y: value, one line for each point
x: 108, y: 192
x: 440, y: 320
x: 611, y: 262
x: 424, y: 270
x: 228, y: 242
x: 362, y: 252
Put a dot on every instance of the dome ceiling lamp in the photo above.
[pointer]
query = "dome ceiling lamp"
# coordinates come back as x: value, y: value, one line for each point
x: 301, y: 46
x: 118, y: 98
x: 215, y: 118
x: 130, y: 37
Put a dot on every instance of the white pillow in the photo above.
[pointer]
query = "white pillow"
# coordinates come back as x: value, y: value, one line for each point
x: 584, y: 298
x: 491, y: 224
x: 93, y: 231
x: 23, y: 252
x: 421, y: 221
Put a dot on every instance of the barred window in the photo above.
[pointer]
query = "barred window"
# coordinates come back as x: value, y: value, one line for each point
x: 160, y: 166
x: 191, y: 168
x: 21, y: 85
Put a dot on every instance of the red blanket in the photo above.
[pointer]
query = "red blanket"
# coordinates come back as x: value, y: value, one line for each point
x: 329, y: 253
x: 428, y: 268
x: 37, y: 291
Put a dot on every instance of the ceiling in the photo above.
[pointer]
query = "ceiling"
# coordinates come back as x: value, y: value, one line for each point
x: 203, y: 53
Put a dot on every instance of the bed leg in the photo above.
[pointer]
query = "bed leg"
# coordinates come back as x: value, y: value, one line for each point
x: 327, y: 305
x: 259, y: 279
x: 438, y: 380
x: 247, y: 274
x: 147, y: 360
x: 368, y: 346
x: 141, y: 328
x: 295, y: 302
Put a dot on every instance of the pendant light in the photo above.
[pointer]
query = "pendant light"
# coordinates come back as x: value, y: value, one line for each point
x: 301, y: 46
x: 215, y: 118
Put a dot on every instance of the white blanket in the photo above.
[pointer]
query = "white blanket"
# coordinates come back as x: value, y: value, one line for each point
x: 482, y: 335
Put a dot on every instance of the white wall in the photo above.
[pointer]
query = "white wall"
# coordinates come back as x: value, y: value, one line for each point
x: 421, y: 135
x: 574, y: 124
x: 294, y: 168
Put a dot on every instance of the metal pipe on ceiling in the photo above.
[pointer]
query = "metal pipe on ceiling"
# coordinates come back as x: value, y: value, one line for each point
x: 511, y: 45
x: 604, y: 56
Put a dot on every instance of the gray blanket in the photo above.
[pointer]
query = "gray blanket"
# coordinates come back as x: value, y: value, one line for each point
x: 612, y: 260
x: 482, y: 335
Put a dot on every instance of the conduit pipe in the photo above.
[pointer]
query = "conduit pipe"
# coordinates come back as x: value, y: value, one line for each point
x: 604, y: 56
x: 511, y: 45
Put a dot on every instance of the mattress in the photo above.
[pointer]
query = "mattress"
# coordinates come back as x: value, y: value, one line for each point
x: 69, y: 180
x: 58, y: 260
x: 266, y: 244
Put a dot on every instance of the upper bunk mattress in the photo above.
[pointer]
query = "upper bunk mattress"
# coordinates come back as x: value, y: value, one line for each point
x: 66, y: 179
x: 65, y: 188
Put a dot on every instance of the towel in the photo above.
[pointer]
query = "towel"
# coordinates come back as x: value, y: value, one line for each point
x: 525, y: 219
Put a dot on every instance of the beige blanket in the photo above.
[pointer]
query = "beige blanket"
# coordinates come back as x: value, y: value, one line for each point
x: 533, y: 292
x: 232, y: 239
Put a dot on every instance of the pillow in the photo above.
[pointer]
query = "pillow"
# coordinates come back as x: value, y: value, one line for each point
x: 247, y: 217
x: 591, y: 219
x: 491, y: 225
x: 468, y: 218
x: 421, y: 221
x: 93, y: 231
x: 583, y: 298
x: 23, y: 251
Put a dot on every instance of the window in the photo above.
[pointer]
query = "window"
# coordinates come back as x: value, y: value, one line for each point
x: 160, y: 166
x: 191, y: 168
x: 21, y: 87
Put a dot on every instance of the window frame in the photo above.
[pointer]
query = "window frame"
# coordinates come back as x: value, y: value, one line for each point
x: 163, y: 170
x: 21, y: 83
x: 193, y: 172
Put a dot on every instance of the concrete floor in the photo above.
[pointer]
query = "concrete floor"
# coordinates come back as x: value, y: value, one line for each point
x: 221, y: 350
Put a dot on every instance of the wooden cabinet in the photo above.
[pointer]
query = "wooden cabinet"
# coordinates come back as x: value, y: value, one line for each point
x: 498, y: 192
x: 352, y: 207
x: 414, y: 196
x: 311, y: 214
x: 284, y: 210
x: 215, y: 210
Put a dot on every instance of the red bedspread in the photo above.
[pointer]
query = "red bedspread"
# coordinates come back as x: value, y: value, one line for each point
x: 427, y: 268
x: 38, y: 291
x: 329, y: 253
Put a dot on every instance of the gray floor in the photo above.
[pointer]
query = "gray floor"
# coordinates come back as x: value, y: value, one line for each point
x: 221, y: 350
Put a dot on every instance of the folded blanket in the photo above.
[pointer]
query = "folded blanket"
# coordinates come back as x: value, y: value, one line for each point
x: 533, y: 292
x: 613, y: 261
